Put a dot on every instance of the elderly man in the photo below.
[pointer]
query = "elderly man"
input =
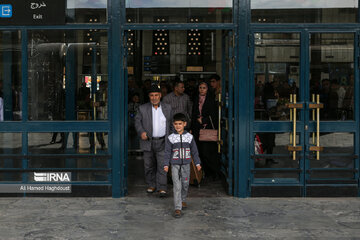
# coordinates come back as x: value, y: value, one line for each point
x: 179, y: 101
x: 152, y: 123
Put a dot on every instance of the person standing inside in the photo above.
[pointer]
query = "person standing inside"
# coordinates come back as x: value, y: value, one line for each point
x: 215, y: 85
x: 179, y: 101
x: 101, y: 113
x: 179, y: 147
x: 205, y: 115
x: 152, y: 124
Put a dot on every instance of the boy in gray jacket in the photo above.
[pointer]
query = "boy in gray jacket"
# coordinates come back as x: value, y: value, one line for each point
x: 179, y: 147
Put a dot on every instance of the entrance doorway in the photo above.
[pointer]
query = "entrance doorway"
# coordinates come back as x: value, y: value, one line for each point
x: 305, y: 120
x: 164, y: 57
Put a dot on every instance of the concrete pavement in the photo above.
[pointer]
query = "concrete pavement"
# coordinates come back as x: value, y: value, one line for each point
x: 148, y: 217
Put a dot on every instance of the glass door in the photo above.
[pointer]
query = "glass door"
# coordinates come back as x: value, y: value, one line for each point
x: 178, y: 61
x: 331, y: 128
x: 305, y: 125
x: 277, y: 128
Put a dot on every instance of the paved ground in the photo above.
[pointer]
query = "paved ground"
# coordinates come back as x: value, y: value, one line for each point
x: 211, y: 215
x: 149, y: 217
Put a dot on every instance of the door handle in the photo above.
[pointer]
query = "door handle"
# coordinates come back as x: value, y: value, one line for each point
x: 316, y: 105
x: 293, y: 106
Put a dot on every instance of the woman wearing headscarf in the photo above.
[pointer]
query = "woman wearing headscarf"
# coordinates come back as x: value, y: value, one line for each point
x: 203, y: 112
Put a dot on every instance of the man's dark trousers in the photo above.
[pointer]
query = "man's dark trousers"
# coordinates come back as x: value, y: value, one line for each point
x: 153, y: 164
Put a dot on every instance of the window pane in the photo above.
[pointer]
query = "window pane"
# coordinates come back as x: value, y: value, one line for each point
x: 61, y: 67
x: 338, y: 152
x: 304, y: 11
x: 335, y: 143
x: 332, y: 74
x: 276, y: 74
x: 86, y: 11
x: 10, y: 143
x: 74, y: 143
x: 10, y: 176
x: 275, y: 147
x: 46, y: 150
x: 10, y: 76
x: 174, y: 11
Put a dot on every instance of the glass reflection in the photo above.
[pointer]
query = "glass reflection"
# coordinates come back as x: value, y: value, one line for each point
x: 335, y: 143
x: 77, y: 142
x: 62, y: 66
x: 10, y: 177
x: 179, y: 11
x: 304, y: 11
x: 86, y: 11
x: 10, y: 143
x: 273, y: 144
x: 276, y: 74
x: 338, y: 153
x: 177, y: 4
x: 10, y: 76
x: 332, y: 74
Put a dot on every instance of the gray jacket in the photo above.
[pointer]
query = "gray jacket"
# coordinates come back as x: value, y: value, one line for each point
x: 180, y: 148
x: 143, y: 122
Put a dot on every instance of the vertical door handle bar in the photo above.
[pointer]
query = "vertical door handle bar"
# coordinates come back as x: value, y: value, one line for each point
x: 294, y: 128
x: 293, y: 106
x: 316, y: 148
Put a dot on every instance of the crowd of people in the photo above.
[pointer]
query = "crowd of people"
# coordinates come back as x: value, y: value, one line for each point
x: 336, y: 94
x: 155, y: 113
x: 271, y: 96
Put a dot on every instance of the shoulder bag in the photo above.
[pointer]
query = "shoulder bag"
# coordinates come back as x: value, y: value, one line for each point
x: 208, y: 135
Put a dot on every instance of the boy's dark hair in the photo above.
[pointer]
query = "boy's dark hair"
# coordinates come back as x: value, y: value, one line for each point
x: 179, y: 117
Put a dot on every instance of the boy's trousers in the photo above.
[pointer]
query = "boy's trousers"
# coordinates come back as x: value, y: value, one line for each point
x: 181, y: 178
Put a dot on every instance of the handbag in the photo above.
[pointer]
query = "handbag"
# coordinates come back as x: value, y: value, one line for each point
x: 208, y: 135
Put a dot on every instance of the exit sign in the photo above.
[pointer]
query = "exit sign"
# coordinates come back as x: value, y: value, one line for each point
x: 6, y: 10
x: 32, y: 12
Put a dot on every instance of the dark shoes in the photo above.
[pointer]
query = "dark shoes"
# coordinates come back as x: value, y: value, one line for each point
x: 183, y: 205
x: 53, y: 141
x: 150, y: 190
x: 177, y: 213
x: 162, y: 193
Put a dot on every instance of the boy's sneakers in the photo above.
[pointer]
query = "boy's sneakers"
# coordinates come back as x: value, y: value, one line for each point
x: 183, y: 205
x: 177, y: 213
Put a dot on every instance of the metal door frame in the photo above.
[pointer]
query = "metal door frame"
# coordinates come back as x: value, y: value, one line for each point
x: 228, y: 66
x: 285, y: 126
x: 182, y: 27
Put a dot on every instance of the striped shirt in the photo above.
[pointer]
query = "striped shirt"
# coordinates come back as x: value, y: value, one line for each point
x: 179, y: 104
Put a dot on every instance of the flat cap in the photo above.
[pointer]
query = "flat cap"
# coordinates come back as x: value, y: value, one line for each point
x: 154, y: 88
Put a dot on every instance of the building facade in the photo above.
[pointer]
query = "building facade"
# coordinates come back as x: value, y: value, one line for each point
x: 288, y: 103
